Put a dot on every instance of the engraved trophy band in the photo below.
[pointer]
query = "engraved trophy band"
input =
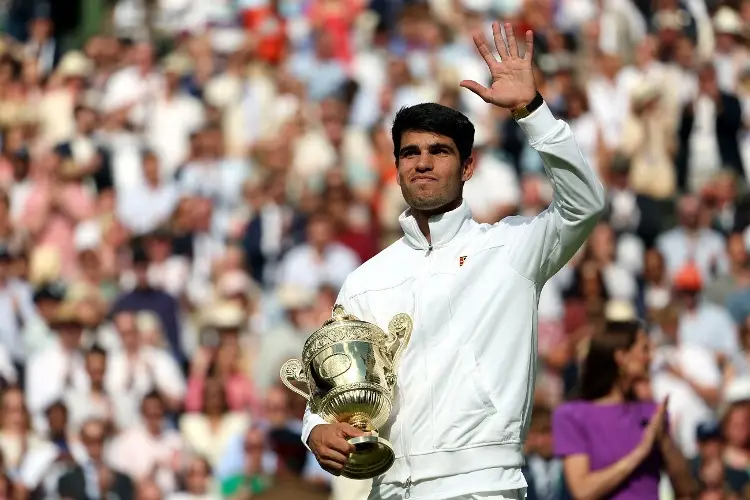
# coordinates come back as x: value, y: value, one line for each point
x: 348, y: 374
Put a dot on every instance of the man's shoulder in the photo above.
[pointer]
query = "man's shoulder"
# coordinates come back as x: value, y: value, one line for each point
x: 386, y: 265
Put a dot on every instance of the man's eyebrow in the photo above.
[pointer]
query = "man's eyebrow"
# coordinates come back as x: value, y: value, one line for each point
x: 433, y: 145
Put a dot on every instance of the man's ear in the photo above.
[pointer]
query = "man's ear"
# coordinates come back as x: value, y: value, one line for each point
x: 467, y: 171
x: 398, y: 177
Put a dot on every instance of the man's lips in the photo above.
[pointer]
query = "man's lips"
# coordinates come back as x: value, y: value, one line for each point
x: 423, y: 178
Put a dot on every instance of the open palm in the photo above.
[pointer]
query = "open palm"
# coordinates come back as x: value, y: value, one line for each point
x: 513, y: 83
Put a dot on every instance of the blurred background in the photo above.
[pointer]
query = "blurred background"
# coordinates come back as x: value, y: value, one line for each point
x: 185, y: 185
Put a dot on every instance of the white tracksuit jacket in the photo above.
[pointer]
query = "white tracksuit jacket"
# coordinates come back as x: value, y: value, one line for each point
x: 466, y: 380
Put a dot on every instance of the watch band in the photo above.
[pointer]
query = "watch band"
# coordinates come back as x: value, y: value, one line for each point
x: 525, y: 111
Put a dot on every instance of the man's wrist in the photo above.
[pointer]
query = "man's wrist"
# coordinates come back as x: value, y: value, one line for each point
x: 524, y: 110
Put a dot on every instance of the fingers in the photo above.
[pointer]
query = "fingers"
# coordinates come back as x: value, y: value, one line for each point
x: 349, y: 431
x: 333, y: 468
x: 479, y: 90
x: 511, y: 38
x: 342, y: 446
x: 335, y: 455
x: 529, y: 54
x: 484, y: 50
x: 502, y: 49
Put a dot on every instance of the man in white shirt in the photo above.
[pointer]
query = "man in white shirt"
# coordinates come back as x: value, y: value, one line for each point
x: 465, y: 382
x: 320, y: 261
x: 60, y: 368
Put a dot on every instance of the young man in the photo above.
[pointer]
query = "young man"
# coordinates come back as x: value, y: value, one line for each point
x: 465, y: 383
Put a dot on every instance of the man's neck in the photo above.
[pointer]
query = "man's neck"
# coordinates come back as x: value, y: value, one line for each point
x: 423, y: 216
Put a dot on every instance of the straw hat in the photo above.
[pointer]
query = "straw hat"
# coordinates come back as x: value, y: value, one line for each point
x: 619, y: 311
x: 292, y: 297
x: 227, y: 315
x: 66, y: 314
x: 178, y: 64
x: 236, y: 282
x: 75, y: 64
x: 644, y: 92
x: 728, y: 21
x: 45, y: 265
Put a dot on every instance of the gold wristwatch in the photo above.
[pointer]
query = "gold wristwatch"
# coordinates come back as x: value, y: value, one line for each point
x: 525, y: 111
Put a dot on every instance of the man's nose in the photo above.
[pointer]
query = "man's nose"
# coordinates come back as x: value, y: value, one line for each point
x: 425, y: 162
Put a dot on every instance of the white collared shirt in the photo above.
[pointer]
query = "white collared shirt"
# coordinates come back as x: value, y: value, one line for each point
x: 49, y: 375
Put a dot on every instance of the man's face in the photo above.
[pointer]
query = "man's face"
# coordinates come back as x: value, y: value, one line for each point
x: 70, y: 335
x: 153, y: 413
x: 429, y: 170
x: 96, y: 365
x: 93, y: 436
x: 57, y: 419
x: 689, y: 213
x: 319, y: 232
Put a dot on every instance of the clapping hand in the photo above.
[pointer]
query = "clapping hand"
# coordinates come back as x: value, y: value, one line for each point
x: 513, y: 83
x: 655, y: 430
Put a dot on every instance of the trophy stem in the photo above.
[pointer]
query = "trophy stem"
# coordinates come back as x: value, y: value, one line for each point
x: 360, y: 421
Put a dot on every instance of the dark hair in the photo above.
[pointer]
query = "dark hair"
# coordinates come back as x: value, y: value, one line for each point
x: 599, y: 372
x: 96, y: 349
x: 541, y: 417
x: 437, y: 119
x: 152, y: 395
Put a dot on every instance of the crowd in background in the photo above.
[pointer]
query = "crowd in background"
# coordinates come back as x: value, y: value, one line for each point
x: 185, y: 185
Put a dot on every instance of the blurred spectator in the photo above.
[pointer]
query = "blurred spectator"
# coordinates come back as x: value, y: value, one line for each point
x: 543, y: 471
x: 207, y: 432
x: 151, y: 450
x: 325, y: 262
x: 196, y: 483
x: 613, y: 445
x: 59, y: 367
x: 92, y: 477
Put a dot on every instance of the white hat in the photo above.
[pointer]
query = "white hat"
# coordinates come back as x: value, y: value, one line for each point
x: 671, y: 19
x: 75, y: 64
x: 294, y: 297
x: 619, y: 310
x: 236, y: 282
x: 643, y: 92
x: 223, y: 91
x: 737, y: 390
x: 88, y: 235
x: 177, y: 63
x: 224, y: 315
x: 728, y: 21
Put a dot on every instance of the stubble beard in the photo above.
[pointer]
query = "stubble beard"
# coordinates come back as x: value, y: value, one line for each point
x: 425, y: 201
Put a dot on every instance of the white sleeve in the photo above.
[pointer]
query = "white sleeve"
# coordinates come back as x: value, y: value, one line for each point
x: 168, y: 376
x: 41, y: 388
x: 7, y: 369
x: 542, y: 245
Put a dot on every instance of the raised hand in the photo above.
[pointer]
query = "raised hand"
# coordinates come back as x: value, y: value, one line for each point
x: 513, y: 83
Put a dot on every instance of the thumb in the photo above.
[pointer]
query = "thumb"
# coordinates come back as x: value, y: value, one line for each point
x: 349, y: 431
x: 478, y: 89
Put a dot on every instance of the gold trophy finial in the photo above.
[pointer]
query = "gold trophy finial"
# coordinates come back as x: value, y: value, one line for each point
x: 349, y: 367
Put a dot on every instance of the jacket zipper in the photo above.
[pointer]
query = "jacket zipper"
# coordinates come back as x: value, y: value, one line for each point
x: 407, y: 451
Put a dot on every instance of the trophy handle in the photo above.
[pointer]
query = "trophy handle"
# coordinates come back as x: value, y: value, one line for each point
x: 399, y: 334
x: 293, y: 370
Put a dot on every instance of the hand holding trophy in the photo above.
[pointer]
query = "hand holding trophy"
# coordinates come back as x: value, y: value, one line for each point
x: 349, y: 367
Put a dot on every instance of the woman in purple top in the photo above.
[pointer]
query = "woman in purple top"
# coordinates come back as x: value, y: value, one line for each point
x: 612, y: 445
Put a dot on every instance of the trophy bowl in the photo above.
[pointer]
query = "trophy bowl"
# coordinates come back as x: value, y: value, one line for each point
x: 349, y: 369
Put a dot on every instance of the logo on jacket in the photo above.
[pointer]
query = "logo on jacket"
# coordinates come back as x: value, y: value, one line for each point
x: 461, y: 260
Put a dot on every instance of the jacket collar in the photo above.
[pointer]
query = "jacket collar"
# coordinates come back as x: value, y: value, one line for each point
x: 443, y: 227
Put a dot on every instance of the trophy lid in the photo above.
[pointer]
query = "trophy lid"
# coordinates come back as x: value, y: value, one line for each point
x: 341, y: 327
